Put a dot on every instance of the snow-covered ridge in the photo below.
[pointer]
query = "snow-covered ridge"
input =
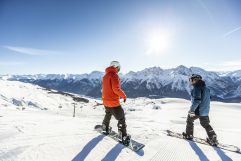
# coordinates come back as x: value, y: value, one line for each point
x: 236, y: 75
x: 148, y: 73
x: 92, y: 75
x: 150, y: 82
x: 24, y: 95
x: 151, y: 72
x: 164, y: 77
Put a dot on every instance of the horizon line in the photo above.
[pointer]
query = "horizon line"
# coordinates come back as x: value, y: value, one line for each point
x: 121, y: 72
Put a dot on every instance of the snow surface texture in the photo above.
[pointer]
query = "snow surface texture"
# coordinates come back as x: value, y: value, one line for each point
x: 45, y: 129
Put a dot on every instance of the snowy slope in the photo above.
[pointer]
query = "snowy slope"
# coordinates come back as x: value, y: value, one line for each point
x: 31, y: 96
x: 54, y: 135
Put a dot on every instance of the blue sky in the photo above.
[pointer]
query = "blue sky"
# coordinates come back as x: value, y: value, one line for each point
x: 70, y: 36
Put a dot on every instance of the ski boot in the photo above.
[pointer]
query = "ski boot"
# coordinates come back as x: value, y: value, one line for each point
x: 213, y: 140
x: 187, y: 136
x: 125, y: 140
x: 106, y: 130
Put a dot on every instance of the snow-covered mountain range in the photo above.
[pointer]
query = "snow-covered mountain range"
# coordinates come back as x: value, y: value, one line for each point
x: 152, y: 82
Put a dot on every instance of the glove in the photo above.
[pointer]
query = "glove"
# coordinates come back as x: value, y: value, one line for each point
x: 125, y: 100
x: 191, y: 114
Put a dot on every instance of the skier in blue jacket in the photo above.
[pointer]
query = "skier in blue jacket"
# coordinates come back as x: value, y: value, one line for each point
x: 200, y: 96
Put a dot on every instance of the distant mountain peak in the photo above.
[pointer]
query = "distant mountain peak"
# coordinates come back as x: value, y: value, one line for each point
x: 181, y: 67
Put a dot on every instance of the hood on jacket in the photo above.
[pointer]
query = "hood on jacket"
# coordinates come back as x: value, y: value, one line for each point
x: 200, y: 83
x: 111, y: 69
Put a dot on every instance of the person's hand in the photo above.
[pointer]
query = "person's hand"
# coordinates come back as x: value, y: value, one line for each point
x: 124, y: 100
x: 191, y: 114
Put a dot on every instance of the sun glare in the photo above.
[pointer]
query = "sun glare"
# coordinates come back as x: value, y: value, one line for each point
x: 158, y: 42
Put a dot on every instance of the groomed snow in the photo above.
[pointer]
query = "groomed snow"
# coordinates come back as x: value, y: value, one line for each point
x: 46, y: 132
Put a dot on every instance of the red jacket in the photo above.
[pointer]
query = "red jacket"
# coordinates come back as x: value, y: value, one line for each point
x: 111, y: 89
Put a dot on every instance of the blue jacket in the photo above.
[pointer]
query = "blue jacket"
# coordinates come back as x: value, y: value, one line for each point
x: 200, y: 97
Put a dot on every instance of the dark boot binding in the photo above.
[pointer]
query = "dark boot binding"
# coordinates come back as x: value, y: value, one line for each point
x: 124, y: 139
x: 187, y: 136
x: 106, y: 130
x: 213, y: 140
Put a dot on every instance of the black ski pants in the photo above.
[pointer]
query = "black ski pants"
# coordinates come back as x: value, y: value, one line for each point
x: 204, y: 121
x: 119, y: 115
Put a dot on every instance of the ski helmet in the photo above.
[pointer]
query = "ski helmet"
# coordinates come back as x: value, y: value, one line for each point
x: 115, y: 64
x: 195, y: 77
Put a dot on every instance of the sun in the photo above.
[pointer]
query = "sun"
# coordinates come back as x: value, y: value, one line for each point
x: 158, y: 42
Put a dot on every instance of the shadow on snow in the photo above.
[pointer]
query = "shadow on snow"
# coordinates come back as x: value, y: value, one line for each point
x: 110, y: 156
x: 198, y: 151
x: 113, y: 153
x: 222, y: 154
x: 203, y: 157
x: 116, y: 150
x: 88, y: 147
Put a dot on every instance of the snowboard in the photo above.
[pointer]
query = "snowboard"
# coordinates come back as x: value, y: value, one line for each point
x: 231, y: 148
x: 134, y: 145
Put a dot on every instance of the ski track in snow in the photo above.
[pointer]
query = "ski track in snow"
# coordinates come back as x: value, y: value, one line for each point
x: 54, y: 135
